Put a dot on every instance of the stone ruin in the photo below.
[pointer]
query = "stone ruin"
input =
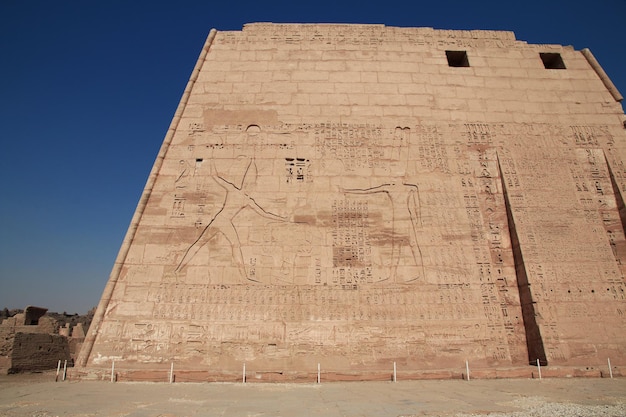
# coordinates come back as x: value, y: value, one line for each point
x: 358, y: 196
x: 33, y: 341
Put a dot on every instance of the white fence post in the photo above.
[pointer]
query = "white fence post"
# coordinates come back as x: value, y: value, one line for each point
x: 539, y: 368
x: 318, y: 372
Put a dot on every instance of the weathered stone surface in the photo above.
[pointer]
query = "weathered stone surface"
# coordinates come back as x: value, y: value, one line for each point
x: 28, y: 342
x: 346, y: 195
x: 38, y: 351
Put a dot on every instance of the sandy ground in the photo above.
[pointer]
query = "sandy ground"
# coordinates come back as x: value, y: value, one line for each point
x: 38, y: 395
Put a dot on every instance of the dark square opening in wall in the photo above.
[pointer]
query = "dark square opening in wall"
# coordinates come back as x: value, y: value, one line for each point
x: 552, y: 60
x: 457, y: 59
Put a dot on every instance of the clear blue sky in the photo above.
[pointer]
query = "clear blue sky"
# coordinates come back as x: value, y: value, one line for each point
x: 88, y: 89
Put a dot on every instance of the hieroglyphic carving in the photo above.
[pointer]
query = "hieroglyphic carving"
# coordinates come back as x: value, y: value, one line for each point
x: 355, y: 146
x: 280, y: 308
x: 432, y: 150
x: 382, y: 148
x: 482, y: 202
x: 365, y: 36
x: 351, y: 243
x: 297, y: 170
x: 590, y: 136
x: 597, y: 196
x: 486, y: 214
x: 552, y: 253
x: 178, y: 207
x: 584, y: 136
x: 479, y: 133
x: 405, y: 216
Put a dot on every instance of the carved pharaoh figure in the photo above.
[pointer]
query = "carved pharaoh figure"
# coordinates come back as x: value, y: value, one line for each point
x: 236, y: 199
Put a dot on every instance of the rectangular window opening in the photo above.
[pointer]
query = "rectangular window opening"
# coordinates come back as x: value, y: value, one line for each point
x: 552, y: 60
x: 457, y: 58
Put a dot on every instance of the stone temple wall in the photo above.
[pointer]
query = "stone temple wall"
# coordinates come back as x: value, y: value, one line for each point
x: 357, y: 195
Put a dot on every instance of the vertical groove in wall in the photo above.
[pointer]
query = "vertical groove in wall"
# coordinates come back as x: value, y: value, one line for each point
x: 621, y: 207
x: 90, y: 338
x: 534, y: 341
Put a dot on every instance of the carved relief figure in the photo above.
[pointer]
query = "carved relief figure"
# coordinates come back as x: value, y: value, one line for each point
x: 405, y: 208
x: 236, y: 199
x: 405, y: 205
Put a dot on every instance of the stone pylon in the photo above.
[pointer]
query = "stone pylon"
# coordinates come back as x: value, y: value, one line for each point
x: 362, y: 195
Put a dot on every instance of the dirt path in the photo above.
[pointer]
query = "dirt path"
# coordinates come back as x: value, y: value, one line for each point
x: 39, y: 395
